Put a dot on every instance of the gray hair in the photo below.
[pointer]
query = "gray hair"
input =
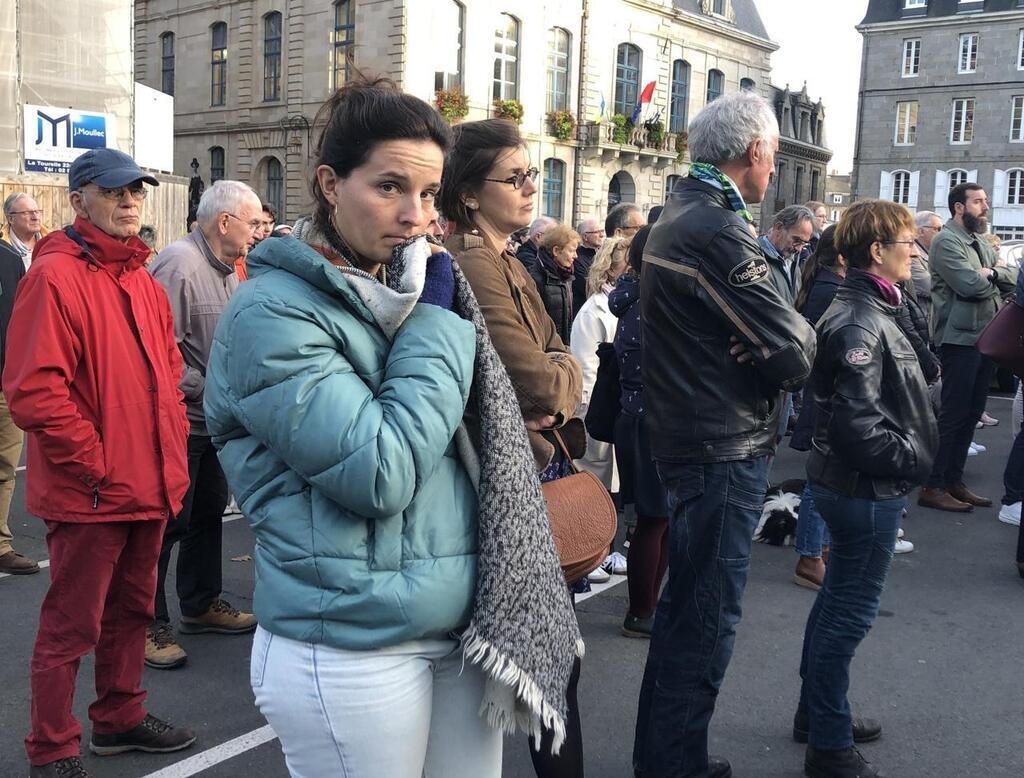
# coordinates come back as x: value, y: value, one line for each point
x: 539, y: 225
x: 147, y: 234
x: 581, y: 227
x: 12, y: 200
x: 616, y: 217
x: 792, y: 215
x: 921, y: 218
x: 225, y: 196
x: 726, y: 127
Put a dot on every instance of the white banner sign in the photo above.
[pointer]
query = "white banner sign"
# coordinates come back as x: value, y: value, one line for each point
x: 55, y: 137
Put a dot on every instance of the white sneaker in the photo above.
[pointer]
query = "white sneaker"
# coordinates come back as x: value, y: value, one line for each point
x: 988, y: 421
x: 899, y: 533
x: 600, y: 575
x: 615, y: 563
x: 972, y: 450
x: 1010, y: 514
x: 903, y: 546
x: 979, y: 448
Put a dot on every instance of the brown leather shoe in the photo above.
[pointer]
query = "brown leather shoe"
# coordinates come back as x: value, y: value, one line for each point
x: 941, y: 500
x: 162, y: 650
x: 809, y: 573
x: 220, y: 618
x: 962, y: 493
x: 14, y: 563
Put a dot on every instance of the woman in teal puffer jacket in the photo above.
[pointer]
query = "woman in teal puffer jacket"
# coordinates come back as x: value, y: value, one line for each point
x: 336, y: 390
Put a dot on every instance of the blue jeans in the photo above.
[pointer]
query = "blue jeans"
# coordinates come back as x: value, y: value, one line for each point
x: 863, y: 536
x: 713, y: 510
x: 811, y: 532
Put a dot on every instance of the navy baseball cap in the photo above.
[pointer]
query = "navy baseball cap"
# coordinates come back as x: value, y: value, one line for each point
x: 108, y: 168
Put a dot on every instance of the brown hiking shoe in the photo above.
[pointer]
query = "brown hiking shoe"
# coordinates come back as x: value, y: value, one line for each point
x: 162, y: 650
x: 69, y: 767
x: 220, y: 617
x: 941, y: 500
x: 14, y: 563
x: 152, y: 736
x: 963, y: 494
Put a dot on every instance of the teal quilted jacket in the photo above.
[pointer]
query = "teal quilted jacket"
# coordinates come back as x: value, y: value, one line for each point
x: 337, y: 444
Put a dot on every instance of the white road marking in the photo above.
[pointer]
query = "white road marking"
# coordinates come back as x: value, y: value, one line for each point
x: 211, y: 757
x: 615, y: 580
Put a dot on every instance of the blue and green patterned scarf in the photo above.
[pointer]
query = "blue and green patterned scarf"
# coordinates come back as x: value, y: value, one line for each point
x: 709, y: 174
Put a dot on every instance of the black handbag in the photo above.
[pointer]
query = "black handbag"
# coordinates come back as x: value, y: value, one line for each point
x: 605, y: 396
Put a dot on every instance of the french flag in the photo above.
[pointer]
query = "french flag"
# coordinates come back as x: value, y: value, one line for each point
x: 645, y: 97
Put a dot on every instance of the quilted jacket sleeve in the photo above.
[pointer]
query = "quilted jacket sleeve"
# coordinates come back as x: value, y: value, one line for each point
x: 286, y: 377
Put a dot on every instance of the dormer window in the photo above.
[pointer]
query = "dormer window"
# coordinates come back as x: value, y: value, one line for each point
x: 719, y: 8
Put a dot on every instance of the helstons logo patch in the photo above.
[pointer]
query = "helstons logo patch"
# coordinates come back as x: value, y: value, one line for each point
x: 749, y: 272
x: 858, y: 356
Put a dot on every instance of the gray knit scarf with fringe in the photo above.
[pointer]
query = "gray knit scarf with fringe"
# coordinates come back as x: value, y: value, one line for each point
x: 523, y: 632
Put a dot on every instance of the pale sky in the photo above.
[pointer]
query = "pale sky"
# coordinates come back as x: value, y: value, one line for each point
x: 819, y: 45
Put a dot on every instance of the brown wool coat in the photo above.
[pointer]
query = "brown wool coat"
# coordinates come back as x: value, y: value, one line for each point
x: 547, y: 379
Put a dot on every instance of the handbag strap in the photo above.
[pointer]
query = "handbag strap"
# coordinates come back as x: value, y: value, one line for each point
x: 561, y: 443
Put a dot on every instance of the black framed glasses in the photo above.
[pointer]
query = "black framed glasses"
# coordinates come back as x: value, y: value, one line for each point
x: 518, y: 179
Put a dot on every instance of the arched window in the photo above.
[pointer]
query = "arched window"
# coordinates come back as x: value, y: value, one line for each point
x: 272, y: 57
x: 506, y: 59
x: 747, y: 85
x: 679, y: 97
x: 558, y: 69
x: 957, y: 177
x: 273, y: 185
x: 554, y: 187
x: 218, y: 63
x: 449, y: 23
x: 167, y: 63
x: 216, y: 163
x: 716, y: 84
x: 628, y: 61
x: 343, y: 38
x: 1015, y: 187
x: 670, y: 186
x: 621, y: 189
x: 901, y: 187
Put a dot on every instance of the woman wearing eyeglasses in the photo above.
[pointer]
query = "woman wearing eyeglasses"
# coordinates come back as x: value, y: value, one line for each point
x: 874, y: 441
x: 487, y: 194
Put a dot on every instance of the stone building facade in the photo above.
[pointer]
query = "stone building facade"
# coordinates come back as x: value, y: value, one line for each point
x: 942, y: 102
x: 257, y: 71
x: 838, y: 195
x: 802, y: 159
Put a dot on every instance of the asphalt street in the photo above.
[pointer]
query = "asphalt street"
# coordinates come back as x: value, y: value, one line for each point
x: 941, y: 669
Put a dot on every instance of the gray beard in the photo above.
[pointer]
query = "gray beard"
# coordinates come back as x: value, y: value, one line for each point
x: 976, y: 224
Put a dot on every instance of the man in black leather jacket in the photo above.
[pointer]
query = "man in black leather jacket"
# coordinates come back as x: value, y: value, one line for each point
x: 720, y: 346
x: 874, y: 440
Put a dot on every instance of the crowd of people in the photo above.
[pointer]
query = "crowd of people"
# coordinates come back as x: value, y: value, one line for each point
x: 386, y: 387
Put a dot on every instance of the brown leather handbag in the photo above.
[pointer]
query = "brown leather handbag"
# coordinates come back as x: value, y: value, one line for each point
x: 1002, y: 340
x: 583, y: 519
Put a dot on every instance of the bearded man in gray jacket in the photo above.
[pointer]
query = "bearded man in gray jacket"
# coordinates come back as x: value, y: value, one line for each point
x: 198, y: 272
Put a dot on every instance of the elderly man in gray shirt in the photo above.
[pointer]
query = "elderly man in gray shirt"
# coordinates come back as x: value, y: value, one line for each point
x: 198, y: 272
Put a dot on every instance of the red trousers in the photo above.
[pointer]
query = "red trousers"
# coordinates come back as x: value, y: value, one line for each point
x: 103, y: 578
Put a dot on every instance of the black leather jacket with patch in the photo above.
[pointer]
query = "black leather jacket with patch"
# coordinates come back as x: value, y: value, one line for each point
x: 704, y: 280
x: 875, y: 435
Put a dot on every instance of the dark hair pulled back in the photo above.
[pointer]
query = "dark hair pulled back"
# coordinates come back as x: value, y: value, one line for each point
x: 476, y: 147
x: 359, y: 116
x: 825, y: 255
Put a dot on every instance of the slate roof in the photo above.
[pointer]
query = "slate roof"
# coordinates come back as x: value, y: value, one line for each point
x: 893, y: 10
x: 748, y: 20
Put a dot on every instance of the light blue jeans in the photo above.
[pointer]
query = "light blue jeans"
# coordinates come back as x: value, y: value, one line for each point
x: 405, y: 711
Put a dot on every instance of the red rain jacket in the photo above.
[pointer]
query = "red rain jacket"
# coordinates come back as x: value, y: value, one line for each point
x: 91, y: 374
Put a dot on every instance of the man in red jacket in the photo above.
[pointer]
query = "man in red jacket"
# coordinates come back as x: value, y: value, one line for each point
x: 91, y: 375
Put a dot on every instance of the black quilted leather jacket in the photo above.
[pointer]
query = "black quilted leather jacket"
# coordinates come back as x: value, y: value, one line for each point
x: 705, y: 279
x: 875, y: 434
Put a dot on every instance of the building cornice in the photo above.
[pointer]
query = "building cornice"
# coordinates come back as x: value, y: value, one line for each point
x: 707, y: 23
x: 798, y: 148
x: 959, y: 20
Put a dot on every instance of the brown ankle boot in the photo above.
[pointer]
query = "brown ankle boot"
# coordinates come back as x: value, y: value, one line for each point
x: 964, y: 494
x: 941, y: 500
x: 809, y: 573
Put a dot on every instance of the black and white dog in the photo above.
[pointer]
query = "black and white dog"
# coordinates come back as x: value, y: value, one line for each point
x: 777, y: 526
